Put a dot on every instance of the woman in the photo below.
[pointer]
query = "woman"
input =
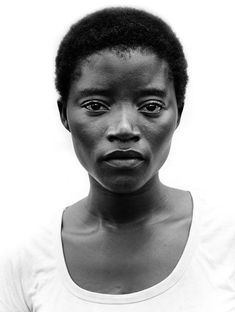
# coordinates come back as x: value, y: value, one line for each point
x: 133, y: 243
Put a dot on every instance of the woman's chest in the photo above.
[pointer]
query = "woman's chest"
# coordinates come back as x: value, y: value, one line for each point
x: 121, y: 264
x: 194, y: 292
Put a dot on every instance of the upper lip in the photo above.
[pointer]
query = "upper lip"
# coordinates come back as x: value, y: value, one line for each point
x: 121, y: 154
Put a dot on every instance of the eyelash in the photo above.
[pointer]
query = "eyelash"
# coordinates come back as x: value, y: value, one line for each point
x: 89, y: 103
x: 158, y: 104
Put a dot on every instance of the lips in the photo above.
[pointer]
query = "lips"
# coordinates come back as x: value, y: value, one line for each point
x: 128, y: 159
x: 121, y: 154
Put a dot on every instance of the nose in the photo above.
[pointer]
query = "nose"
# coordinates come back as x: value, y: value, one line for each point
x: 123, y: 126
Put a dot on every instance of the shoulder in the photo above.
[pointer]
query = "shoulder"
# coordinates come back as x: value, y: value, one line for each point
x: 21, y: 256
x: 213, y: 209
x: 215, y: 218
x: 21, y: 265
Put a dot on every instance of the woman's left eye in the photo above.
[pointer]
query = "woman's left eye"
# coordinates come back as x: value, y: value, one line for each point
x: 152, y: 107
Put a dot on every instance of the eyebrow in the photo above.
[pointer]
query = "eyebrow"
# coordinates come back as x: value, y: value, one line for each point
x: 108, y: 92
x: 93, y: 91
x: 152, y: 91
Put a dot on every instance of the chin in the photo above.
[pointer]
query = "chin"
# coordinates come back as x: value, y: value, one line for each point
x: 123, y: 185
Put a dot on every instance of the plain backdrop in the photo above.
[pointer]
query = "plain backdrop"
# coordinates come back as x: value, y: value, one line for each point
x: 39, y: 170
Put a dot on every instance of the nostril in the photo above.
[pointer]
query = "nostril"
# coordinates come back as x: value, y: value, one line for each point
x: 111, y: 137
x: 123, y: 137
x: 136, y: 138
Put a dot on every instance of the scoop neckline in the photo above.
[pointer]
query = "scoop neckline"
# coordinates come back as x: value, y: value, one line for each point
x: 156, y: 290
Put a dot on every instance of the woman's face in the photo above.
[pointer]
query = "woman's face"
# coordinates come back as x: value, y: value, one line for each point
x: 122, y: 103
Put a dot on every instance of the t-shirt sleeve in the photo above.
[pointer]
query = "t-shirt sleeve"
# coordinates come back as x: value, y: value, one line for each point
x: 12, y: 298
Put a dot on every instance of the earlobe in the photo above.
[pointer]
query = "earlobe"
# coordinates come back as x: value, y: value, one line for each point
x: 63, y: 114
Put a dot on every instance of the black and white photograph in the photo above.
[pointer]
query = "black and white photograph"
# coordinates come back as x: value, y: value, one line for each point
x: 117, y: 156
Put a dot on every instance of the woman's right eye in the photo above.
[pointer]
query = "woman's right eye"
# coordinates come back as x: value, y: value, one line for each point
x: 95, y: 106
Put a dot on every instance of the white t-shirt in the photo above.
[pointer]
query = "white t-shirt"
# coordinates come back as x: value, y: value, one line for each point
x: 35, y: 277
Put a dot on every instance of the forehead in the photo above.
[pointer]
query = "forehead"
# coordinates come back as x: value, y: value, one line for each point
x: 134, y: 67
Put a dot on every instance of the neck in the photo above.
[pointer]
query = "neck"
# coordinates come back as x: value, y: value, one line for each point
x: 117, y: 210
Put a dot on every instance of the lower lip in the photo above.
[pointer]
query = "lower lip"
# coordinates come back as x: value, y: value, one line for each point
x: 124, y: 162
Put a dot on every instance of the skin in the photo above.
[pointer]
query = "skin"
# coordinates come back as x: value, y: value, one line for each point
x: 128, y: 211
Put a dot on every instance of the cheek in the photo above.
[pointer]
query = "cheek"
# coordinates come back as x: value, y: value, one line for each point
x: 161, y: 131
x: 159, y: 136
x: 84, y: 135
x: 85, y: 138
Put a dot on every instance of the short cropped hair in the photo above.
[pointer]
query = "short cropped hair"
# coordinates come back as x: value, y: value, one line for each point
x: 120, y: 28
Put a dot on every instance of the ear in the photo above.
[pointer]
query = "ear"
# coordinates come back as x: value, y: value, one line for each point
x: 63, y: 113
x: 180, y: 110
x: 178, y: 121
